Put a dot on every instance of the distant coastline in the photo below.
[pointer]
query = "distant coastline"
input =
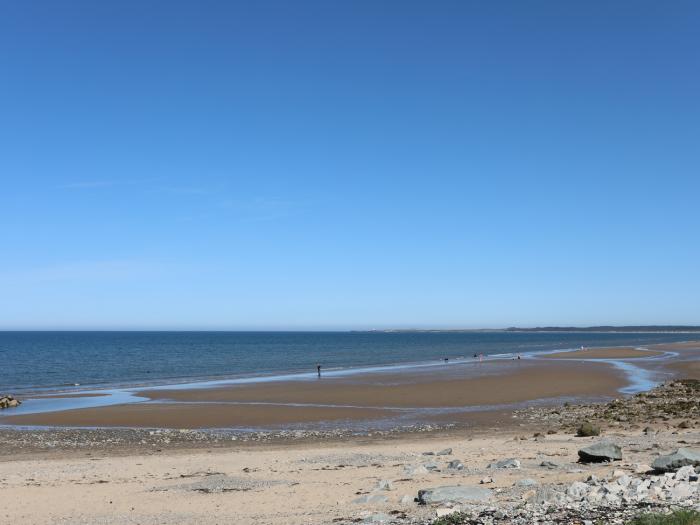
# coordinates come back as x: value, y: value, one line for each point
x: 600, y: 329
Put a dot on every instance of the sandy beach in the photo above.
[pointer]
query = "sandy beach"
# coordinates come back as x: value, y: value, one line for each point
x: 316, y: 451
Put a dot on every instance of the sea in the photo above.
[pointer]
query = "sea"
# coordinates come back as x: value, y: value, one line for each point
x: 33, y: 362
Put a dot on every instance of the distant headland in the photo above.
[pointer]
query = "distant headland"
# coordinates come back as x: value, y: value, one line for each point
x: 626, y: 329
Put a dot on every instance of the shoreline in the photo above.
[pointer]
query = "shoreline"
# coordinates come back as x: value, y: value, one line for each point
x: 120, y: 476
x: 385, y: 398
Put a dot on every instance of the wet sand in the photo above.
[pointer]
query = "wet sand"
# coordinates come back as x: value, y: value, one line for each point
x: 370, y: 397
x: 604, y: 353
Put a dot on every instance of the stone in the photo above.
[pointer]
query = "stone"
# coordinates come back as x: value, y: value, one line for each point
x: 547, y: 496
x: 599, y: 452
x: 682, y: 491
x: 453, y: 494
x: 445, y: 452
x: 505, y: 463
x: 577, y: 490
x: 641, y: 468
x: 384, y: 484
x: 405, y: 499
x: 549, y: 464
x: 370, y: 498
x: 455, y: 464
x: 414, y: 470
x: 485, y: 481
x: 525, y: 482
x: 684, y: 473
x: 8, y: 401
x: 431, y: 466
x: 680, y: 458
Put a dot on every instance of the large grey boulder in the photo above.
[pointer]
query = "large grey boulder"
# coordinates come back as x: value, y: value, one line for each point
x: 599, y: 452
x: 680, y: 458
x: 453, y: 494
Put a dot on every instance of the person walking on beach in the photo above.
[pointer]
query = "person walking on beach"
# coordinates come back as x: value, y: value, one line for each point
x: 318, y: 370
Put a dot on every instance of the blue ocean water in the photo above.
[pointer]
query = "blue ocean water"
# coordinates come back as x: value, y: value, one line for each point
x: 33, y: 361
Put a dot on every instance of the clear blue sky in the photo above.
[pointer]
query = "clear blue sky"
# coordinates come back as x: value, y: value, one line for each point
x: 357, y: 164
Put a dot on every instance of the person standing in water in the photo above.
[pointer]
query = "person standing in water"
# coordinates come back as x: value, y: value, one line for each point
x: 318, y: 370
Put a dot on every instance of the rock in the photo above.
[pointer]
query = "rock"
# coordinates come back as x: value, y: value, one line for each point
x: 405, y: 499
x: 680, y: 458
x: 445, y: 452
x: 485, y: 481
x: 414, y: 470
x: 454, y: 494
x: 525, y: 482
x: 547, y: 496
x: 649, y: 431
x: 455, y: 464
x: 682, y: 491
x: 684, y: 473
x: 587, y: 429
x: 577, y: 490
x: 641, y: 468
x: 370, y: 498
x: 549, y: 464
x: 505, y: 463
x: 431, y: 466
x: 429, y: 453
x: 8, y: 401
x: 384, y: 484
x: 684, y: 424
x: 599, y: 452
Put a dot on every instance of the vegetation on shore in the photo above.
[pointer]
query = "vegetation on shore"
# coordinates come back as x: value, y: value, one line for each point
x: 679, y: 517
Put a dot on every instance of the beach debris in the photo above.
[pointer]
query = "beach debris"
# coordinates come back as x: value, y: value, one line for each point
x: 680, y: 458
x: 587, y: 429
x: 505, y: 463
x: 8, y: 401
x: 445, y: 452
x: 455, y: 464
x: 600, y: 452
x: 453, y: 494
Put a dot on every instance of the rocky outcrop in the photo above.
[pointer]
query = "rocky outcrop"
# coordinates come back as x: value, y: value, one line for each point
x: 599, y: 452
x: 8, y: 401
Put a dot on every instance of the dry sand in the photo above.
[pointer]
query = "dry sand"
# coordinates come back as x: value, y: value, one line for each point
x: 311, y: 484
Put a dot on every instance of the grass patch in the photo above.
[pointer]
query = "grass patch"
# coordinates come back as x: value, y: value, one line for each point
x: 679, y: 517
x: 457, y: 518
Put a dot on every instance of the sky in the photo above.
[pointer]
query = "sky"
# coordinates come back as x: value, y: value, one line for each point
x: 362, y: 164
